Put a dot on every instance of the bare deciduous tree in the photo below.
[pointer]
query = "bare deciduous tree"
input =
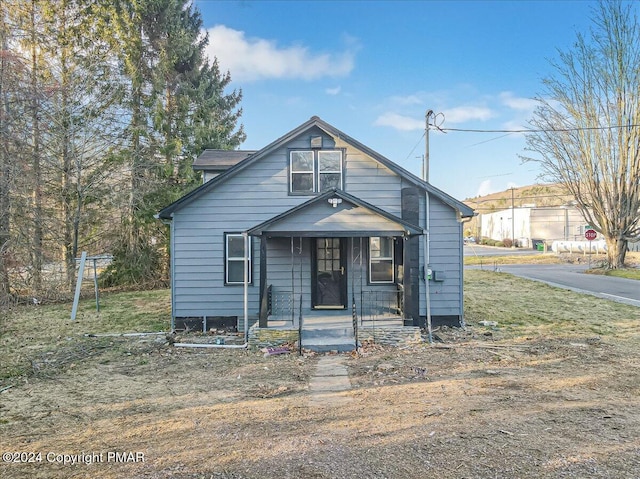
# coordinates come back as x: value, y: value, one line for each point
x: 587, y: 128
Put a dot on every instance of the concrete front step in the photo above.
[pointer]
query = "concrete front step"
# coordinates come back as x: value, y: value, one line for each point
x: 325, y: 340
x: 327, y: 345
x: 308, y: 333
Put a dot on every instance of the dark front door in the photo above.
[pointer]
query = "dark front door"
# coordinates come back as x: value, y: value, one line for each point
x: 329, y: 274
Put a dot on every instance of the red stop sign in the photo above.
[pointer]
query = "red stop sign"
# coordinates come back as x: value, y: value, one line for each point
x: 590, y: 234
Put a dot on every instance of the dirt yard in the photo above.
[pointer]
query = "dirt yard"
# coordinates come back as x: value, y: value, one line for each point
x: 472, y: 406
x: 551, y: 391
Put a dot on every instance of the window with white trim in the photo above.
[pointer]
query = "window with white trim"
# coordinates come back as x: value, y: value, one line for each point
x: 313, y: 171
x: 302, y: 172
x: 329, y: 170
x: 381, y: 267
x: 234, y: 258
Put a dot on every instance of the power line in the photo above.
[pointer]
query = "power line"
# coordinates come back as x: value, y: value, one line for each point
x: 533, y: 130
x: 416, y: 146
x: 489, y: 140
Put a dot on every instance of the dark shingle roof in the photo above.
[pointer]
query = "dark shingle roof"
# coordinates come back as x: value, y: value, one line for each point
x: 220, y: 160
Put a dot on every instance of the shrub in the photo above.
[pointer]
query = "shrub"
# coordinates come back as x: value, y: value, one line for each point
x: 143, y: 267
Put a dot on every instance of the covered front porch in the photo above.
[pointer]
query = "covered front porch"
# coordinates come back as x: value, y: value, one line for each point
x: 334, y: 263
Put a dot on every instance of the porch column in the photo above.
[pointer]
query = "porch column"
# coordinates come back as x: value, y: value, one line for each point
x: 411, y: 259
x: 264, y: 296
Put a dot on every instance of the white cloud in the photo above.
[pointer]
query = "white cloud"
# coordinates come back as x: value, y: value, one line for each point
x: 485, y: 188
x: 518, y: 103
x: 333, y: 91
x: 514, y: 125
x: 407, y: 100
x: 252, y: 59
x: 399, y: 122
x: 462, y: 114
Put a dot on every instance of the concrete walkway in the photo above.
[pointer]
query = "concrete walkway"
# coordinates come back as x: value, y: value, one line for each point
x: 328, y: 385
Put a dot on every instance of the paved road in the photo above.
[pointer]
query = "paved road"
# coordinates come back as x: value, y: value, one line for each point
x: 482, y: 250
x: 572, y: 277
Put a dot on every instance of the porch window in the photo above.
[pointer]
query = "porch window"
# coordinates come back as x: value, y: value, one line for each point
x: 381, y: 267
x: 313, y: 171
x: 234, y: 258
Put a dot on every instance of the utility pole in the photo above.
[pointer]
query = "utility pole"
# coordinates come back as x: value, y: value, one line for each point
x: 425, y: 166
x: 426, y: 240
x: 513, y: 221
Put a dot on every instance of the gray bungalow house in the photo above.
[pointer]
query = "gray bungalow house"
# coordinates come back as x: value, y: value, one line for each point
x: 324, y: 226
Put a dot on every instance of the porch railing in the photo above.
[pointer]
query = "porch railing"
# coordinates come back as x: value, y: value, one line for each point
x: 281, y: 304
x: 380, y: 305
x: 374, y: 304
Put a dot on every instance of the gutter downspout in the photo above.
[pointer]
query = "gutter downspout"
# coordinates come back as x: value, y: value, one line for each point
x: 462, y: 321
x: 427, y: 273
x: 245, y: 237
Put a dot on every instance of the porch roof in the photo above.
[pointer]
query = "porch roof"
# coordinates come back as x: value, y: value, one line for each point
x: 335, y: 213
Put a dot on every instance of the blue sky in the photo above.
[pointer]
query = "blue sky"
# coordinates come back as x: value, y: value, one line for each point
x: 373, y: 68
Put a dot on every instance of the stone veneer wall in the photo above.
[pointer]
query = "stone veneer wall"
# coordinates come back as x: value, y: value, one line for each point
x: 388, y: 335
x: 391, y: 335
x: 268, y: 338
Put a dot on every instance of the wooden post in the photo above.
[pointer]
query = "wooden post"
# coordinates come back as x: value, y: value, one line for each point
x: 95, y: 284
x: 264, y: 296
x: 76, y: 297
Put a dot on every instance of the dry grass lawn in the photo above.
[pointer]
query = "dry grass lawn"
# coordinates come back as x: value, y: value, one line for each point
x: 552, y: 391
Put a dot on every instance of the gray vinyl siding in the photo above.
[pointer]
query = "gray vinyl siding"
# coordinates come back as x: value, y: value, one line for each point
x: 445, y: 256
x: 373, y: 182
x: 289, y: 273
x: 252, y: 196
x: 259, y: 192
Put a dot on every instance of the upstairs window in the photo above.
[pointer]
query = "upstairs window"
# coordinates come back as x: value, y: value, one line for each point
x: 302, y: 172
x: 381, y: 265
x: 329, y: 170
x: 314, y: 171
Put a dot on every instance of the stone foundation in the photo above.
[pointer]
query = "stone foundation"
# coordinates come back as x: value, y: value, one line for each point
x: 391, y: 335
x: 387, y: 335
x: 268, y: 338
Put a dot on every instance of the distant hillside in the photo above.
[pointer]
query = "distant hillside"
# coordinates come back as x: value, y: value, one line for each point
x: 538, y: 195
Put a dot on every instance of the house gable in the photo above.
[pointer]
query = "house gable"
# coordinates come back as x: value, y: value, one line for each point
x: 331, y: 138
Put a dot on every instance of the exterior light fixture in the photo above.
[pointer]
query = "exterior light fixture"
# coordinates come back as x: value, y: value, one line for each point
x: 334, y: 201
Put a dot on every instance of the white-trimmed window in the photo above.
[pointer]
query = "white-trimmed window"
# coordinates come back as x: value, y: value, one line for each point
x: 381, y: 267
x: 234, y: 258
x: 302, y: 172
x: 313, y: 171
x: 329, y: 169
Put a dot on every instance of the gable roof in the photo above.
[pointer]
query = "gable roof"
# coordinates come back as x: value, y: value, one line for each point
x: 350, y: 217
x: 315, y: 121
